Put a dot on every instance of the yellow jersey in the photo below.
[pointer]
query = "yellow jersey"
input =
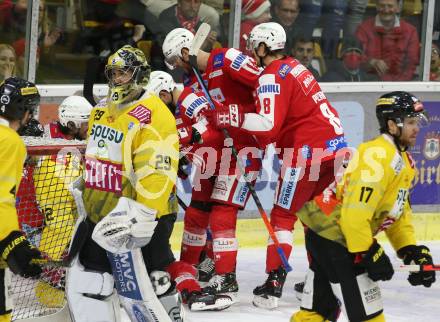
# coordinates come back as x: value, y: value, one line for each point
x: 132, y: 151
x: 12, y: 157
x: 372, y: 196
x: 52, y: 177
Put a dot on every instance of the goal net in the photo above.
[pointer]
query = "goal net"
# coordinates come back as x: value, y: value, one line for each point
x: 47, y: 214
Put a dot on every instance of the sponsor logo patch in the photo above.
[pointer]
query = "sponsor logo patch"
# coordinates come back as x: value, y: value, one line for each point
x: 288, y: 187
x: 142, y: 114
x: 103, y: 175
x: 284, y: 70
x: 195, y: 106
x: 336, y: 143
x: 104, y: 132
x: 217, y: 94
x: 219, y: 60
x: 318, y: 97
x: 298, y: 70
x: 238, y: 61
x: 269, y: 88
x: 216, y: 73
x: 306, y: 81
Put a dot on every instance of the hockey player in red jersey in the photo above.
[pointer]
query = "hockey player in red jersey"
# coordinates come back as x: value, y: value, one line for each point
x: 231, y: 78
x: 29, y: 215
x: 294, y: 114
x: 195, y: 139
x: 73, y: 115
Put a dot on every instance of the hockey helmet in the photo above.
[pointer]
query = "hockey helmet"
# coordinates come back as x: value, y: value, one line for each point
x: 396, y: 106
x: 127, y: 70
x: 17, y: 96
x: 74, y: 109
x: 160, y: 81
x: 270, y: 33
x: 174, y: 42
x: 31, y: 128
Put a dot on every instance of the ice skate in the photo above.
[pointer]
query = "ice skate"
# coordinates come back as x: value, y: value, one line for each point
x: 266, y: 295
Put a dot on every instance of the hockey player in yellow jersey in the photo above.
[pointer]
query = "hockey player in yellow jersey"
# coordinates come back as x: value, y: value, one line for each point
x: 371, y: 196
x: 18, y: 100
x: 131, y: 158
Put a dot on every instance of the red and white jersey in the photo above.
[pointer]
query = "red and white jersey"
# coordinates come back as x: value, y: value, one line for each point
x: 53, y: 131
x: 190, y: 103
x: 293, y: 112
x: 28, y: 211
x: 232, y: 78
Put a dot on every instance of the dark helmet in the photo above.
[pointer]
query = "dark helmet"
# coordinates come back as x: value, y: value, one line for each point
x: 16, y: 97
x: 31, y: 128
x: 396, y: 106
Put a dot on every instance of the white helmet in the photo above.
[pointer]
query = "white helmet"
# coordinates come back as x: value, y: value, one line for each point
x: 160, y: 81
x: 174, y: 42
x: 270, y: 33
x: 75, y: 109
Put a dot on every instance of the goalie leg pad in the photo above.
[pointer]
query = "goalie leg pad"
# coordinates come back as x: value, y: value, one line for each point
x: 172, y: 303
x: 91, y: 295
x: 134, y: 287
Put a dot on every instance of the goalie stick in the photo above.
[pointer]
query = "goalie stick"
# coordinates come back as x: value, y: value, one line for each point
x: 199, y: 39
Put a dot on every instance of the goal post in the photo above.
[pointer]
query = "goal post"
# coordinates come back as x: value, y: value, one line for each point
x: 47, y: 214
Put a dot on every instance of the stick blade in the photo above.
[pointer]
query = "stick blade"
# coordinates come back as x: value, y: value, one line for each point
x: 199, y: 38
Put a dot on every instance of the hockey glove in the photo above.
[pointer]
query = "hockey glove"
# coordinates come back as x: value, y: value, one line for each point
x: 16, y: 250
x: 418, y: 255
x: 377, y: 263
x: 224, y: 117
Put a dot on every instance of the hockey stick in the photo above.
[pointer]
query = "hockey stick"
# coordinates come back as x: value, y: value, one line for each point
x: 181, y: 203
x: 417, y: 268
x: 198, y: 41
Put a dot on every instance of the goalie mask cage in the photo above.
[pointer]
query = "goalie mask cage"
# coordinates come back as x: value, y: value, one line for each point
x: 47, y: 214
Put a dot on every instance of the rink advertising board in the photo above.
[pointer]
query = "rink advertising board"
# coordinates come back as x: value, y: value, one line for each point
x: 426, y: 153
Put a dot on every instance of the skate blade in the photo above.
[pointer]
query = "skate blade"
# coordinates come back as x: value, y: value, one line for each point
x: 221, y: 303
x: 269, y: 303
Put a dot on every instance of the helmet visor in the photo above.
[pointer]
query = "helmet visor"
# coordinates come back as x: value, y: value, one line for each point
x: 422, y: 118
x: 171, y: 62
x: 117, y: 76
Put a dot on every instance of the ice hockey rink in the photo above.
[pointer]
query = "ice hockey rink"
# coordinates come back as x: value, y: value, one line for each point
x: 402, y: 302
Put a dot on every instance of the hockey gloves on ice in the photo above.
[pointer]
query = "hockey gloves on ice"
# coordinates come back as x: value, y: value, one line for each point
x: 418, y: 255
x: 224, y: 117
x: 16, y: 250
x: 377, y: 263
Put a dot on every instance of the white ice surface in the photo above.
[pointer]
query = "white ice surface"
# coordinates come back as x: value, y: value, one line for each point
x: 402, y: 302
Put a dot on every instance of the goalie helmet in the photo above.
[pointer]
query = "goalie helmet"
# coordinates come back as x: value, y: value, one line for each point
x: 396, y: 106
x: 174, y: 42
x: 270, y: 33
x: 160, y: 81
x: 74, y: 109
x: 127, y: 71
x: 17, y: 96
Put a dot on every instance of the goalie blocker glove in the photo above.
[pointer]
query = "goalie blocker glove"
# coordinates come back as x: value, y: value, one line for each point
x: 376, y: 263
x: 418, y: 255
x: 16, y: 250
